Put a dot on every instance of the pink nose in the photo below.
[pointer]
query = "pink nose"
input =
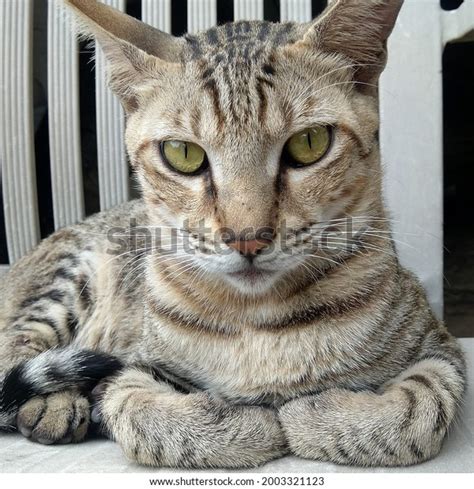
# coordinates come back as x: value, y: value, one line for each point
x: 249, y: 247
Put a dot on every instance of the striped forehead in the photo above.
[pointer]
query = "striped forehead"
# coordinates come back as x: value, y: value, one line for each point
x: 236, y: 67
x: 238, y: 41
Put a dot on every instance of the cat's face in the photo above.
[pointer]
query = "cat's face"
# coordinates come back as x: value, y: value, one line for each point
x: 252, y: 136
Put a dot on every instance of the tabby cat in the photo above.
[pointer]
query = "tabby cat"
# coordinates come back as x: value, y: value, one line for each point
x: 251, y: 303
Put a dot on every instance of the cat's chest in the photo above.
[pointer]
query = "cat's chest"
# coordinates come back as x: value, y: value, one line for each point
x: 254, y: 366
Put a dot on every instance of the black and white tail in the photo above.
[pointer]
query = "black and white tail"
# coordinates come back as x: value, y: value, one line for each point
x: 52, y: 371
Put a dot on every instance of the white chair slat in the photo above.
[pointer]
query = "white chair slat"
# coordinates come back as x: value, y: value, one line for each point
x: 296, y: 10
x: 157, y: 13
x: 411, y: 142
x: 248, y: 9
x: 112, y: 159
x: 458, y: 23
x: 64, y: 119
x: 17, y: 157
x: 202, y: 14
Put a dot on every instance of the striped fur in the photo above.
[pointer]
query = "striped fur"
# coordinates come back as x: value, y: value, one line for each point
x: 329, y: 352
x: 50, y: 372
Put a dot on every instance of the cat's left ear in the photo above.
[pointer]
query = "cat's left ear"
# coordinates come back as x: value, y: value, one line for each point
x: 359, y: 30
x: 136, y: 52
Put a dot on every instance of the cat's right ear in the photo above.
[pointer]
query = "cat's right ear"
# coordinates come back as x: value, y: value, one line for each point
x: 136, y: 52
x: 358, y: 30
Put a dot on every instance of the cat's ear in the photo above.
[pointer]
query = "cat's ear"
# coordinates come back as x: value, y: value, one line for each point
x: 136, y: 52
x: 358, y: 29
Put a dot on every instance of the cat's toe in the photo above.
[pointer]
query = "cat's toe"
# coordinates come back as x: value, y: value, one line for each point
x: 29, y: 415
x: 58, y: 418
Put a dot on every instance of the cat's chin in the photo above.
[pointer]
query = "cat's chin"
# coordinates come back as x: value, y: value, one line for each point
x: 252, y: 281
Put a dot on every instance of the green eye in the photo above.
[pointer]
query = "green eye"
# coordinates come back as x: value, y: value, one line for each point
x: 309, y: 146
x: 184, y: 157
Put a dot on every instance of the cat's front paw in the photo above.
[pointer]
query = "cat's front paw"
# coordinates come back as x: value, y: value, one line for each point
x: 62, y: 417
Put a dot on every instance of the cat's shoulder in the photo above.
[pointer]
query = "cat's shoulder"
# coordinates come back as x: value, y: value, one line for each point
x: 130, y: 213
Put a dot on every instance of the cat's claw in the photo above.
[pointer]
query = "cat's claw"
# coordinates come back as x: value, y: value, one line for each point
x: 96, y: 396
x: 96, y: 415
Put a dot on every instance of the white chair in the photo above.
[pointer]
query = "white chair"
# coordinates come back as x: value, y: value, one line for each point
x: 411, y: 112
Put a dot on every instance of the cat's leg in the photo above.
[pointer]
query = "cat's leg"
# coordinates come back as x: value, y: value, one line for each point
x: 403, y: 424
x: 158, y: 426
x: 44, y: 298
